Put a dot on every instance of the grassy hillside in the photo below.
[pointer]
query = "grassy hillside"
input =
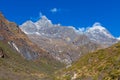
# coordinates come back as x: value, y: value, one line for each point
x: 100, y: 65
x: 14, y: 67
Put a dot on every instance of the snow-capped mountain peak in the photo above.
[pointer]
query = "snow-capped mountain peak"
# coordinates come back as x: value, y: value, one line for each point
x: 100, y: 34
x: 97, y: 28
x: 44, y: 19
x: 43, y: 22
x: 97, y: 25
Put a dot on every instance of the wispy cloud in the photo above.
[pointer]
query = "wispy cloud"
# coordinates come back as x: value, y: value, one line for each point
x: 54, y: 10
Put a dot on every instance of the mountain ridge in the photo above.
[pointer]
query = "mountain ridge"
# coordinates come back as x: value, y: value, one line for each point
x: 47, y: 34
x: 45, y: 22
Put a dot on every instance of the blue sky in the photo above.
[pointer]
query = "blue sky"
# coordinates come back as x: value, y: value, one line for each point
x: 78, y: 13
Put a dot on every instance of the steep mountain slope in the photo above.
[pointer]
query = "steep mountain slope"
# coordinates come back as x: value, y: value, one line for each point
x: 20, y: 59
x: 103, y: 64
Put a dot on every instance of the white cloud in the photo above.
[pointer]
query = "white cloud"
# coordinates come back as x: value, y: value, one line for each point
x: 54, y: 10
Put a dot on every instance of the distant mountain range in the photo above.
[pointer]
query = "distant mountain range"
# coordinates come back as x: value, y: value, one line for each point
x: 66, y: 43
x: 45, y: 27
